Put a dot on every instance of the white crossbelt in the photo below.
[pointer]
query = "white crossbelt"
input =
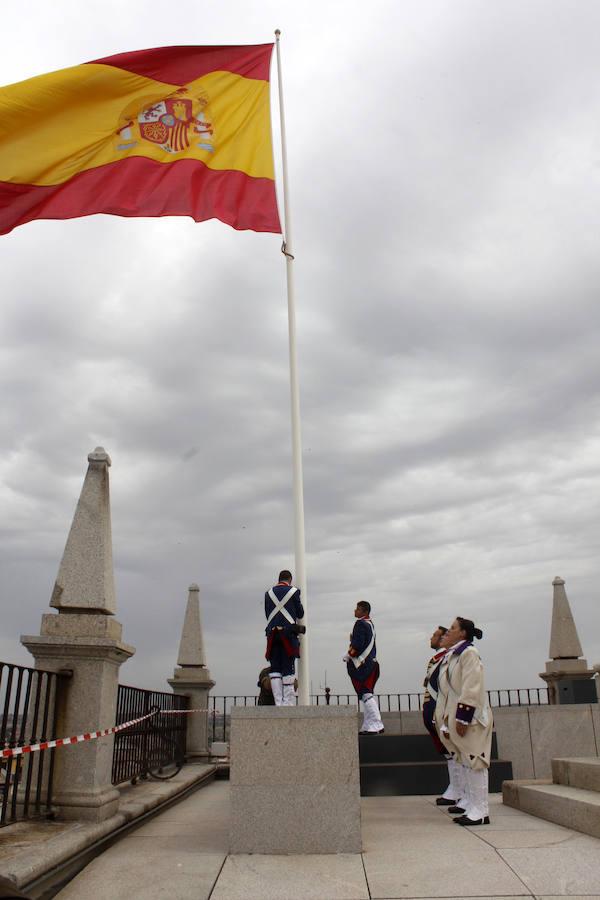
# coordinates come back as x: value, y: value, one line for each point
x: 280, y: 605
x: 359, y: 660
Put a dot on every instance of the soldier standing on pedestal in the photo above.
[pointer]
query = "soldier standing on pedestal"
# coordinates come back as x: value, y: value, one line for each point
x: 283, y: 608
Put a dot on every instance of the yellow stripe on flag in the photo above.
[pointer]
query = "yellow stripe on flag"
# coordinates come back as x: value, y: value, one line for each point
x: 62, y: 123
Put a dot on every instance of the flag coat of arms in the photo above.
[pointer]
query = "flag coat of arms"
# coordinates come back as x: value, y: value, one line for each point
x: 182, y: 131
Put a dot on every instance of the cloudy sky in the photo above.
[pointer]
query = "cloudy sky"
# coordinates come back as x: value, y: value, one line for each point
x: 445, y: 187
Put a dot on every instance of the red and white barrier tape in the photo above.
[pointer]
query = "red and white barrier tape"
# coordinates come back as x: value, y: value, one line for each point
x: 90, y: 735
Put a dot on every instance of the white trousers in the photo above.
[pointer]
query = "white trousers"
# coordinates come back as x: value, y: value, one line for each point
x: 372, y: 716
x: 476, y: 804
x: 456, y: 789
x: 277, y: 688
x: 289, y: 694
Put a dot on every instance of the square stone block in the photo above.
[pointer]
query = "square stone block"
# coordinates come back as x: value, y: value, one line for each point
x: 560, y: 731
x: 295, y: 785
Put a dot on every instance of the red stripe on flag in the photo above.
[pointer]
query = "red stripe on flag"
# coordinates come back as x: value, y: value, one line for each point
x: 142, y: 187
x: 180, y: 65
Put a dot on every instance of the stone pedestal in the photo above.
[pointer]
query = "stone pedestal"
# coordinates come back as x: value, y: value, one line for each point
x: 191, y: 677
x: 85, y: 638
x: 195, y: 684
x: 90, y: 645
x: 563, y: 677
x: 566, y: 668
x: 295, y: 784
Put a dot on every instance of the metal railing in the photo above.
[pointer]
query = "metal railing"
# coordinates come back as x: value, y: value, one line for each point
x: 155, y: 742
x: 27, y: 716
x: 220, y: 706
x: 519, y: 697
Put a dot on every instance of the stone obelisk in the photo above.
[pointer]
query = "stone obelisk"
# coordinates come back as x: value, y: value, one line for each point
x: 84, y: 637
x: 192, y: 677
x: 566, y: 665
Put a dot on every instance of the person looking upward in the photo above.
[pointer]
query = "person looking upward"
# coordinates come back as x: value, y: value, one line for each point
x: 463, y: 719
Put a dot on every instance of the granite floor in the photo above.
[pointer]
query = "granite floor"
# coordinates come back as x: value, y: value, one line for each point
x: 182, y: 855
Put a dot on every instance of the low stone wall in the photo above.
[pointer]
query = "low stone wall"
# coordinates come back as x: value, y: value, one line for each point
x: 403, y: 722
x: 529, y: 736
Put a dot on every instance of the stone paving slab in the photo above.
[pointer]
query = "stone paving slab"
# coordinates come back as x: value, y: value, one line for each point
x: 510, y: 839
x: 571, y: 870
x: 324, y: 877
x: 182, y: 855
x: 156, y: 872
x: 455, y: 840
x: 201, y: 822
x: 30, y: 849
x: 527, y: 823
x: 476, y: 872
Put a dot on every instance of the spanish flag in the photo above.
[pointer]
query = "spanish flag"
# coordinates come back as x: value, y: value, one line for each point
x: 174, y: 131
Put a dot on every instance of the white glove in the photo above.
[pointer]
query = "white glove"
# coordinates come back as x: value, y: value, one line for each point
x: 346, y: 658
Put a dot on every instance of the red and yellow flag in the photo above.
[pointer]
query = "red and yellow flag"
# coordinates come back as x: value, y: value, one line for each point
x: 174, y: 131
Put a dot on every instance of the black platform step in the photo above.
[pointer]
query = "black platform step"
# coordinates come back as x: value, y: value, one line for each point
x: 394, y: 748
x: 403, y: 778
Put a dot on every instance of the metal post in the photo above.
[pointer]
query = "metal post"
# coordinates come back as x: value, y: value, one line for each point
x: 300, y: 574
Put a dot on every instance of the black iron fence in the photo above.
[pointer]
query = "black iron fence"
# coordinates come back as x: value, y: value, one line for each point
x: 519, y: 697
x: 27, y: 716
x: 156, y: 742
x: 220, y: 707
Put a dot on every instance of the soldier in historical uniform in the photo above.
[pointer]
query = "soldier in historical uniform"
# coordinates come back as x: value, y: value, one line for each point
x: 452, y: 796
x: 430, y: 695
x: 463, y: 719
x: 363, y: 668
x: 283, y: 609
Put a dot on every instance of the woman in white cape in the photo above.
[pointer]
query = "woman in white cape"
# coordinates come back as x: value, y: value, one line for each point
x: 464, y: 719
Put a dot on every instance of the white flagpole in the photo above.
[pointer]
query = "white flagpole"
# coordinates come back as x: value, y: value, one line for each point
x: 300, y: 574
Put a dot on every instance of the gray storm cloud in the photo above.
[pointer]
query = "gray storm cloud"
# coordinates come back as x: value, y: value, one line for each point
x: 445, y: 164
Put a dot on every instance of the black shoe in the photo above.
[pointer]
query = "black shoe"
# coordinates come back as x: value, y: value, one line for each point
x: 381, y: 730
x: 464, y: 820
x: 442, y: 801
x: 456, y: 810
